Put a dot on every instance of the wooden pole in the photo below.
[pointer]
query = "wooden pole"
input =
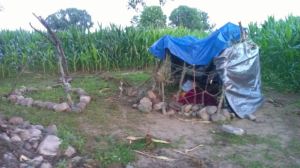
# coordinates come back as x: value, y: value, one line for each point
x: 194, y: 83
x: 181, y: 80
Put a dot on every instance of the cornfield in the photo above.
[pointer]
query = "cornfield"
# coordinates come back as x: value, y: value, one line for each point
x: 109, y: 48
x: 279, y: 42
x: 115, y: 48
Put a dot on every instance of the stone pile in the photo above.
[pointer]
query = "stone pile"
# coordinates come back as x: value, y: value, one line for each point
x: 152, y: 102
x: 23, y: 145
x: 17, y: 97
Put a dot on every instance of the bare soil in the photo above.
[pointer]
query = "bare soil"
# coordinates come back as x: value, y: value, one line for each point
x: 278, y: 119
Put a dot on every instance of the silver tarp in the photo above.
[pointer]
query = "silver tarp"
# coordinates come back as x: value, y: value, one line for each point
x: 239, y: 69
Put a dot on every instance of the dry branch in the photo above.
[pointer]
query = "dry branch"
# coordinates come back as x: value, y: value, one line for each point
x: 63, y: 67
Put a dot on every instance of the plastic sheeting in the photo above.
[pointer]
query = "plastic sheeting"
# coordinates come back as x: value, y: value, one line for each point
x: 197, y: 51
x: 239, y: 69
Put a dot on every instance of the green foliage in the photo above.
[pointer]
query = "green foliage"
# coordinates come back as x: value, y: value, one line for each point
x: 279, y: 42
x: 70, y: 137
x: 135, y: 4
x: 70, y: 17
x: 109, y: 48
x: 152, y: 17
x: 190, y: 18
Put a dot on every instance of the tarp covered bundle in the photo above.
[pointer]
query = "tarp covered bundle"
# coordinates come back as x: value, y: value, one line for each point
x: 239, y: 69
x: 197, y: 51
x: 237, y: 63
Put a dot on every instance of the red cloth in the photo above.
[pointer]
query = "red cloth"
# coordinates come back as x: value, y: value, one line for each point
x: 189, y: 98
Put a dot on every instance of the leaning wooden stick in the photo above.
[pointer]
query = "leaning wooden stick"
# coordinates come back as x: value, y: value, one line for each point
x: 181, y: 81
x: 221, y: 101
x: 155, y: 157
x: 62, y: 63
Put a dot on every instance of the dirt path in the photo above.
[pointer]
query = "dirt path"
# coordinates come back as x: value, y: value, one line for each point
x: 267, y: 143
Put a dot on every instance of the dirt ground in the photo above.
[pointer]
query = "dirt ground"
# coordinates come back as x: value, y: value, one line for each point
x: 272, y: 141
x: 267, y: 141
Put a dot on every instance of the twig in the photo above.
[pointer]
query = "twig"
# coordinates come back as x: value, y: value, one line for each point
x: 155, y: 157
x: 191, y: 149
x: 133, y: 138
x: 191, y: 156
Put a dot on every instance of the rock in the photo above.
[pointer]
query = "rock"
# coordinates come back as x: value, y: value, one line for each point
x: 5, y: 137
x: 19, y: 97
x: 155, y: 101
x: 80, y: 91
x: 76, y: 109
x: 187, y: 108
x: 175, y: 105
x: 196, y: 107
x: 17, y: 92
x: 170, y: 112
x: 46, y: 165
x: 81, y: 105
x: 70, y: 151
x: 26, y: 125
x: 159, y: 106
x: 61, y: 107
x: 194, y: 114
x: 24, y: 165
x: 134, y: 106
x: 85, y: 99
x: 16, y: 120
x: 203, y: 114
x: 27, y: 146
x: 49, y: 146
x: 35, y: 144
x: 10, y: 160
x: 15, y: 138
x: 188, y: 114
x: 35, y: 162
x: 22, y: 89
x: 211, y: 109
x: 226, y: 114
x: 51, y: 130
x: 145, y: 105
x: 129, y: 166
x: 50, y: 105
x: 22, y: 102
x: 32, y: 89
x: 28, y: 101
x: 151, y: 95
x: 76, y: 159
x: 36, y: 103
x: 35, y: 133
x: 217, y: 117
x: 12, y: 98
x: 24, y: 135
x: 40, y: 127
x: 250, y: 117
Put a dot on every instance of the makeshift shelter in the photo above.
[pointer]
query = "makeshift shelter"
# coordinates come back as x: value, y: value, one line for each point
x: 234, y: 59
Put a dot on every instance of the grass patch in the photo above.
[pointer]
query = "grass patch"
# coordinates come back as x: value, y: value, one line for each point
x: 232, y: 139
x: 53, y: 95
x: 120, y: 152
x: 294, y: 147
x: 134, y: 78
x: 245, y: 162
x: 70, y: 137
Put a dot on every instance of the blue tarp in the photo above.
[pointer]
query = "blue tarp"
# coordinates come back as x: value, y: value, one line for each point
x: 197, y: 51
